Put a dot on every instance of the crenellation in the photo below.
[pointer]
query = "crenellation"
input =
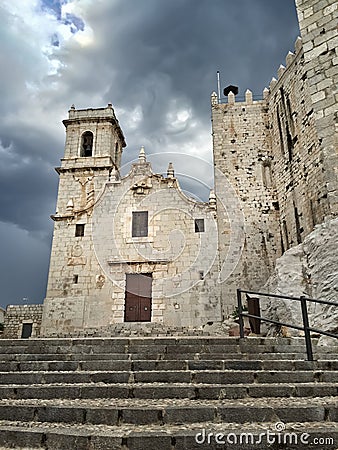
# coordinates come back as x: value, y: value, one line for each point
x: 231, y: 98
x: 289, y: 58
x: 281, y: 71
x: 248, y: 97
x: 298, y: 44
x: 273, y: 83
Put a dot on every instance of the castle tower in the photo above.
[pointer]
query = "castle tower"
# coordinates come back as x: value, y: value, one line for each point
x: 247, y: 207
x: 279, y: 153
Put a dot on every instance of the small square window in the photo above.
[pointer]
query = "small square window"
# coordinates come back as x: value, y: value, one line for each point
x: 79, y: 230
x: 199, y: 225
x: 140, y: 224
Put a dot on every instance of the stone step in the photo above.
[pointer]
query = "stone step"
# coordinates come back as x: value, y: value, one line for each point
x: 159, y: 365
x: 156, y: 356
x: 159, y: 346
x: 157, y: 390
x: 151, y: 340
x: 118, y: 412
x: 202, y: 435
x: 160, y: 349
x: 168, y: 376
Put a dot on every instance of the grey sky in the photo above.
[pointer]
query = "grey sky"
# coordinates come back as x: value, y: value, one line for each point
x: 155, y: 60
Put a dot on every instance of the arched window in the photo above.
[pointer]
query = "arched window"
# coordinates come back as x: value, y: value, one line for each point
x: 87, y: 144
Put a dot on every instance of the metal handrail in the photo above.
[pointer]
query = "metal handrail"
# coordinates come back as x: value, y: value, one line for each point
x: 306, y: 326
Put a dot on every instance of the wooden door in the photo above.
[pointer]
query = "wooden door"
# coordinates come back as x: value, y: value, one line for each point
x: 138, y: 297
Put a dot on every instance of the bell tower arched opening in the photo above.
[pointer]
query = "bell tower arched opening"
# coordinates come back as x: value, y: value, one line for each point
x: 87, y: 139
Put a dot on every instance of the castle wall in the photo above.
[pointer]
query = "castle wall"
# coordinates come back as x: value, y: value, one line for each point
x: 280, y: 154
x: 297, y: 155
x: 318, y: 26
x: 18, y: 315
x: 242, y: 158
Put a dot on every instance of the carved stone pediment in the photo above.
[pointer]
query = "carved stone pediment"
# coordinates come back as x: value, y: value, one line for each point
x: 142, y: 187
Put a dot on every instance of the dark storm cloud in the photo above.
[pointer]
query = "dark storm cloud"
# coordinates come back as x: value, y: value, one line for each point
x: 190, y: 40
x: 156, y: 60
x: 23, y: 265
x: 27, y: 195
x: 28, y: 181
x: 164, y: 55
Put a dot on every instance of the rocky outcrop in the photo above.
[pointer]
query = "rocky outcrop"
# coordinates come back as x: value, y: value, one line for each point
x: 310, y: 269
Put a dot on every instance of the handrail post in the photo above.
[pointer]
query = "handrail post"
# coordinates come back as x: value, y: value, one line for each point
x: 240, y: 311
x: 306, y: 329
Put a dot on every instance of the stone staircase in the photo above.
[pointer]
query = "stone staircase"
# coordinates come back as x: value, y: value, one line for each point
x: 170, y: 393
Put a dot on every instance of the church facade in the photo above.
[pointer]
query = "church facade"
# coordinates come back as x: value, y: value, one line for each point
x: 126, y: 249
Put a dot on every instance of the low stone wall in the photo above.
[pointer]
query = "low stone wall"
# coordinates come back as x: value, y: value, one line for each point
x: 18, y: 315
x: 2, y: 315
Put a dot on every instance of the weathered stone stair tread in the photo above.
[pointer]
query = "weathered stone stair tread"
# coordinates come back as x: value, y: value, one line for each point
x: 160, y: 357
x: 141, y: 344
x: 170, y: 351
x: 151, y: 365
x: 139, y: 402
x: 167, y: 390
x: 117, y: 412
x: 149, y: 339
x: 163, y: 402
x: 236, y: 348
x: 125, y: 429
x: 182, y: 376
x: 169, y: 437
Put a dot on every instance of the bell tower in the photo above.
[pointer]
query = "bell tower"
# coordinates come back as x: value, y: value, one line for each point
x: 94, y: 134
x: 93, y: 150
x: 92, y: 158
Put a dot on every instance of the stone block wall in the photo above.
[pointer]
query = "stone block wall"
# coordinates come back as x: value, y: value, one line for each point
x: 17, y: 315
x: 243, y: 160
x: 297, y: 156
x: 318, y: 26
